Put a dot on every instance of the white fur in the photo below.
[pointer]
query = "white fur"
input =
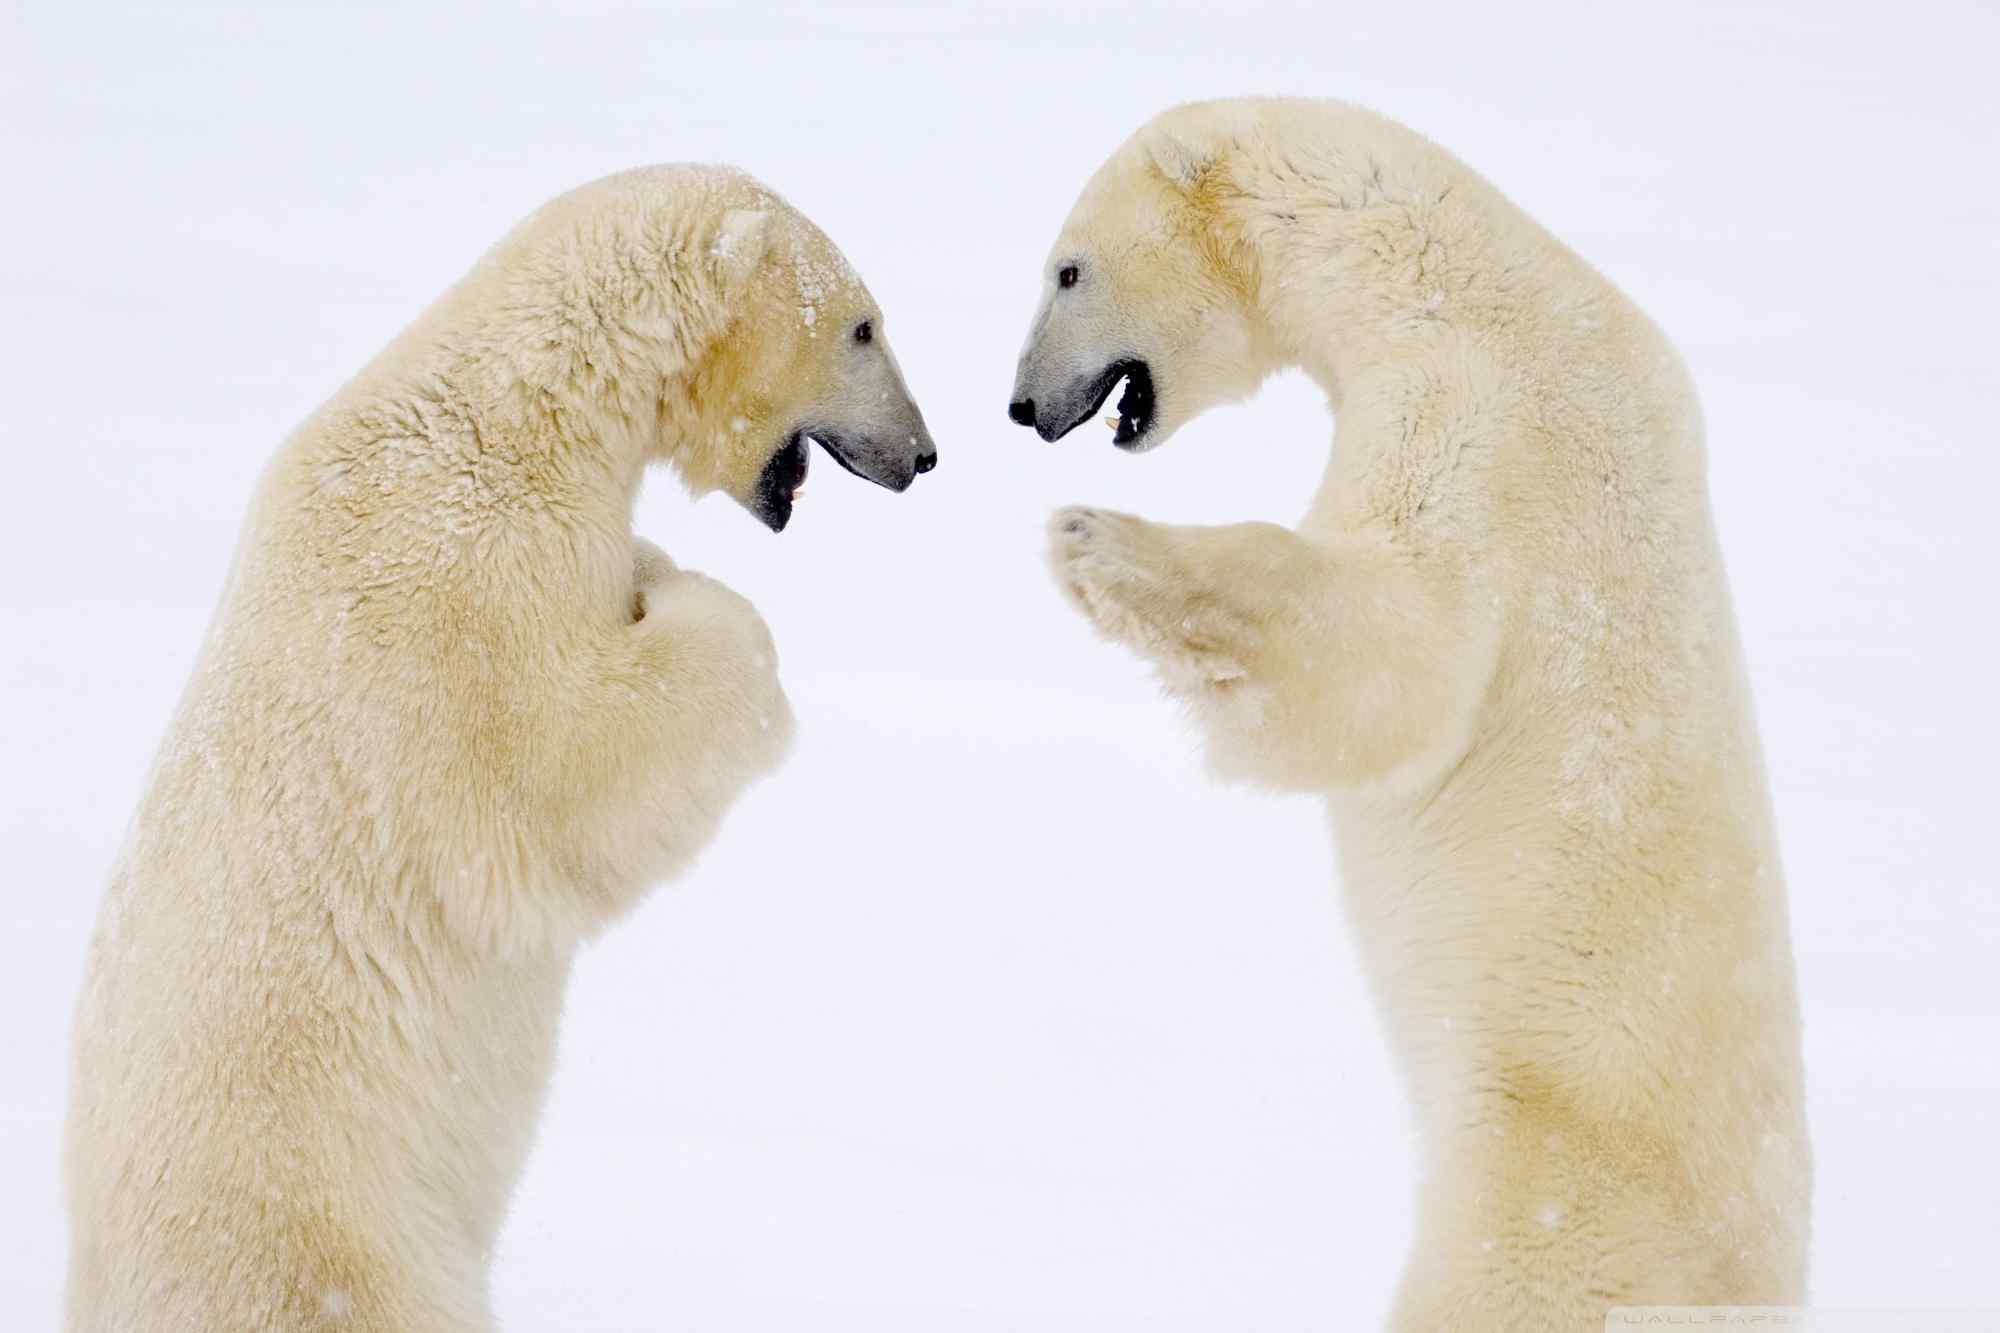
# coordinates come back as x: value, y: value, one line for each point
x: 1500, y: 643
x: 450, y: 719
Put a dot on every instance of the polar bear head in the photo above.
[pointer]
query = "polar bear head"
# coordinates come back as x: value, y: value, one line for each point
x: 1142, y: 289
x: 692, y: 316
x: 800, y: 356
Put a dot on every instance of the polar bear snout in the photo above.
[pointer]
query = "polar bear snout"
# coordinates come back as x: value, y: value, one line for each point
x: 893, y: 463
x: 865, y: 419
x: 1054, y: 412
x: 892, y: 456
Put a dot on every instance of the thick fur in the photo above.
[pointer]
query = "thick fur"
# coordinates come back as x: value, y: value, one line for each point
x: 449, y: 720
x: 1500, y: 642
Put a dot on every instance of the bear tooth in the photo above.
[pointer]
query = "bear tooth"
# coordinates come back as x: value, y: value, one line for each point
x: 1111, y: 422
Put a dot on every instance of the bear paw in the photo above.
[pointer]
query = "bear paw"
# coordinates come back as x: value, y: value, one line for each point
x: 1128, y: 579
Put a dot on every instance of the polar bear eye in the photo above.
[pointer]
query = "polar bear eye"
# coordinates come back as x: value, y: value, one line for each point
x: 864, y: 331
x: 1066, y: 276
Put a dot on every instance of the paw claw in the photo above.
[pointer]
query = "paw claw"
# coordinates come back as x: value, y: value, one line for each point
x: 1075, y: 521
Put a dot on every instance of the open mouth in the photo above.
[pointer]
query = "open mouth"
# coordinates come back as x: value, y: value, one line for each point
x: 784, y: 477
x: 1135, y: 405
x: 778, y: 486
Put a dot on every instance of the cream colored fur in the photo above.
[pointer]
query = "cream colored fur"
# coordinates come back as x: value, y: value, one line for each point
x: 1500, y: 642
x: 450, y: 719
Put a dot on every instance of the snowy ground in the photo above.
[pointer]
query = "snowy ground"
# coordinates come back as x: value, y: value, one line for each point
x: 1076, y: 1041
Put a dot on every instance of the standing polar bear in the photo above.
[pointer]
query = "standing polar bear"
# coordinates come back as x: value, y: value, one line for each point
x: 450, y: 719
x: 1500, y: 642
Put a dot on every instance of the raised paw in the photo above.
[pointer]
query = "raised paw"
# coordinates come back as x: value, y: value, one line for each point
x: 1132, y: 582
x: 706, y: 649
x: 651, y: 569
x: 686, y: 605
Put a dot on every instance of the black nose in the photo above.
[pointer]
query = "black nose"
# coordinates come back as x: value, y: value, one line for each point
x: 1022, y: 413
x: 926, y: 462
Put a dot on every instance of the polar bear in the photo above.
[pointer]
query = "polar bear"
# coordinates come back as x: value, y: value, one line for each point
x: 450, y: 718
x: 1501, y: 645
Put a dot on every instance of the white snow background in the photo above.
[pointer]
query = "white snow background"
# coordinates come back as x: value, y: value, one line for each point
x: 991, y: 1012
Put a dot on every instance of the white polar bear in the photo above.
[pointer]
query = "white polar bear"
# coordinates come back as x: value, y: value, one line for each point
x: 1500, y: 642
x: 450, y: 719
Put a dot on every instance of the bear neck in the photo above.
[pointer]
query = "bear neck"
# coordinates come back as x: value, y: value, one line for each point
x: 599, y: 402
x: 1387, y: 250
